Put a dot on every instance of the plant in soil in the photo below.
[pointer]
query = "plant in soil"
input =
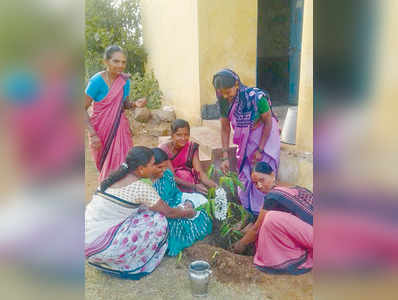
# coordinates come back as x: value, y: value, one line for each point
x: 227, y: 215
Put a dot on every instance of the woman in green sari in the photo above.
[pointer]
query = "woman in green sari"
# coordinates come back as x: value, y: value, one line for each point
x: 183, y: 233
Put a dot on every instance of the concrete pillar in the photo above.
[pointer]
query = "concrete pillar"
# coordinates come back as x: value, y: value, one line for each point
x: 304, y: 133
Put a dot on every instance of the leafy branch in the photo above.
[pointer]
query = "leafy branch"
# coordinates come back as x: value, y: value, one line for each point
x: 235, y: 212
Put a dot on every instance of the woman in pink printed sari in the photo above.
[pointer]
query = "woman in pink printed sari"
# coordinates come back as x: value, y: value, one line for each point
x: 256, y: 132
x: 184, y: 157
x: 283, y: 232
x: 109, y: 130
x: 126, y: 227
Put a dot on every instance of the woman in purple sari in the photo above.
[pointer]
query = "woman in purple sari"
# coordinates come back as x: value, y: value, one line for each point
x: 109, y: 130
x: 256, y: 132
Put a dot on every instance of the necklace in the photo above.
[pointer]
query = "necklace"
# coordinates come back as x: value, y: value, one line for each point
x: 172, y: 147
x: 107, y: 78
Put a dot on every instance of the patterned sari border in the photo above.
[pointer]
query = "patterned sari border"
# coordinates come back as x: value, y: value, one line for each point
x: 288, y: 267
x: 116, y: 200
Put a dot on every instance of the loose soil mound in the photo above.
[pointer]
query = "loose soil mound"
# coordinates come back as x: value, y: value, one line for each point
x: 228, y: 267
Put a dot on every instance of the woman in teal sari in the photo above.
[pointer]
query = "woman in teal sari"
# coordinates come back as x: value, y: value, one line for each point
x: 183, y: 233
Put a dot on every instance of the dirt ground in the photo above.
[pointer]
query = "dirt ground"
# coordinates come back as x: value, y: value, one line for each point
x: 234, y: 276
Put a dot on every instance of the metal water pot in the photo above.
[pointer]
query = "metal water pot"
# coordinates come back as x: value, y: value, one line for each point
x: 199, y: 275
x: 288, y: 135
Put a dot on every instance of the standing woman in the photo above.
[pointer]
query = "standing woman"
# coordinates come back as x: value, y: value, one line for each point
x: 109, y: 130
x: 256, y: 132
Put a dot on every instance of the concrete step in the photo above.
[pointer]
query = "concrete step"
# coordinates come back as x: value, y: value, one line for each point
x: 209, y: 141
x: 212, y: 124
x: 207, y: 138
x: 215, y: 125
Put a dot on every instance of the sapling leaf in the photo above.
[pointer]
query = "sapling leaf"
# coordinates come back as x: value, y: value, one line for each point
x: 221, y: 181
x: 210, y: 171
x: 212, y: 206
x: 236, y: 180
x: 229, y: 210
x: 211, y: 193
x: 179, y: 256
x: 224, y: 228
x: 208, y: 210
x: 203, y: 206
x: 229, y: 228
x: 231, y: 186
x: 214, y: 255
x: 238, y: 233
x: 243, y: 214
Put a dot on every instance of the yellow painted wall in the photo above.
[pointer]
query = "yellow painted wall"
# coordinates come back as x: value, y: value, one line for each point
x: 227, y: 38
x: 171, y: 40
x: 304, y: 137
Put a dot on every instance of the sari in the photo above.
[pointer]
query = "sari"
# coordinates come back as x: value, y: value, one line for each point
x: 182, y: 163
x: 113, y: 129
x: 183, y: 232
x: 284, y: 244
x: 285, y: 239
x: 124, y: 237
x: 295, y: 200
x: 247, y: 137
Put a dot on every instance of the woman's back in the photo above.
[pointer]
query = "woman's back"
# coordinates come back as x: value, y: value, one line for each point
x: 116, y: 204
x: 167, y: 189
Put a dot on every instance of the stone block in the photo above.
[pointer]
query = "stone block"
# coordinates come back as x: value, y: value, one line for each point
x: 142, y: 114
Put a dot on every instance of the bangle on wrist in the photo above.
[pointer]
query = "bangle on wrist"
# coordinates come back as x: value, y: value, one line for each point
x: 224, y: 149
x: 260, y: 150
x: 224, y: 158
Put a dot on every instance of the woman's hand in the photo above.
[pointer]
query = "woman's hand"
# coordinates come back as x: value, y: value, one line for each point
x: 200, y: 188
x: 140, y: 102
x: 238, y: 247
x: 212, y: 184
x: 95, y: 142
x: 225, y: 166
x: 190, y: 213
x: 257, y: 156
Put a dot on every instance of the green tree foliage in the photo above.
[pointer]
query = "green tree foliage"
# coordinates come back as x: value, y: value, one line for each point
x: 110, y: 24
x: 146, y: 86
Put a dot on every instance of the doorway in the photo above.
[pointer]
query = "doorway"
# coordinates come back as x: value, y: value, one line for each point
x: 278, y: 49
